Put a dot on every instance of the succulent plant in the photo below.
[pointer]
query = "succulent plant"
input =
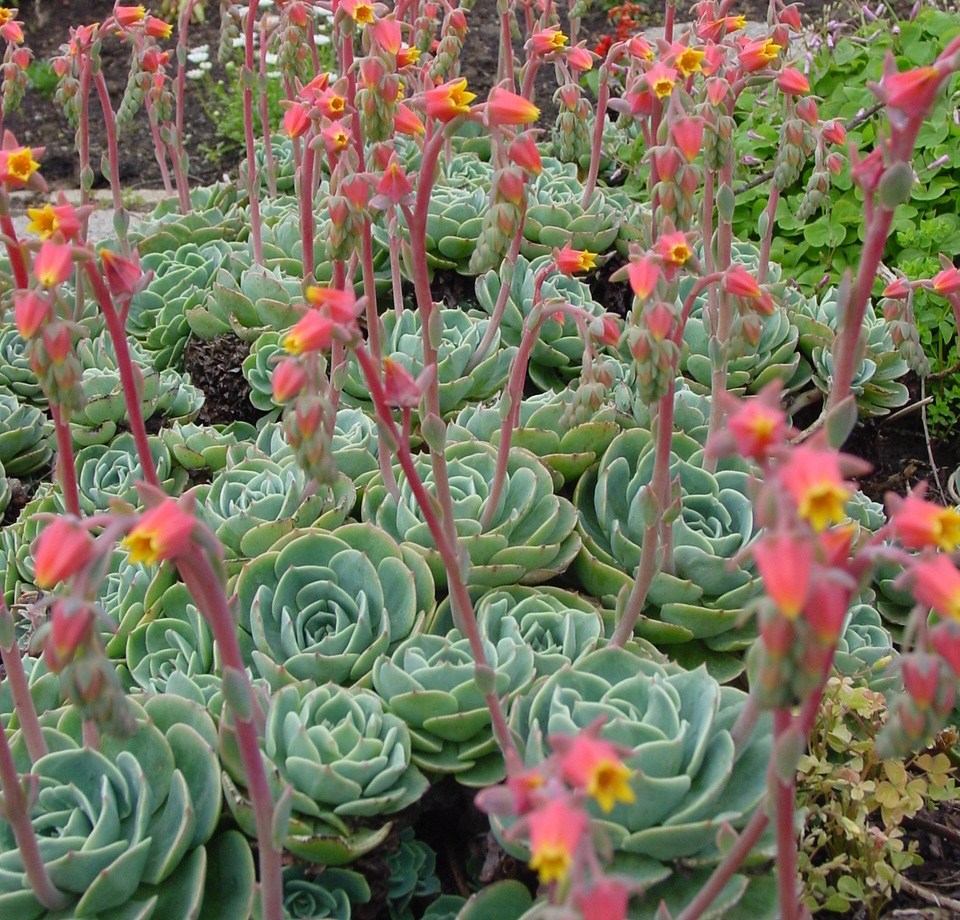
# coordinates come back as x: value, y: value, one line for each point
x: 561, y: 428
x: 251, y: 504
x: 348, y: 764
x: 128, y: 830
x: 181, y: 278
x: 687, y: 778
x: 412, y: 869
x: 455, y: 214
x: 560, y: 626
x: 204, y: 447
x: 457, y: 343
x: 555, y: 217
x: 176, y: 641
x: 16, y: 376
x: 24, y: 437
x: 104, y: 473
x: 44, y: 691
x: 322, y: 606
x: 429, y: 682
x: 703, y: 598
x: 248, y: 304
x: 214, y: 217
x: 258, y: 369
x: 558, y: 351
x: 448, y: 907
x: 326, y: 895
x: 865, y: 649
x: 531, y: 535
x: 875, y: 383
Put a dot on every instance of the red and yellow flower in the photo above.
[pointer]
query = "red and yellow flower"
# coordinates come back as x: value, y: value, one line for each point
x: 556, y: 831
x: 163, y: 532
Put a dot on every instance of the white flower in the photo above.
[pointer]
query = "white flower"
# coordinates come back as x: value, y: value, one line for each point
x: 321, y: 39
x: 205, y: 65
x: 195, y: 74
x: 198, y: 54
x: 270, y: 58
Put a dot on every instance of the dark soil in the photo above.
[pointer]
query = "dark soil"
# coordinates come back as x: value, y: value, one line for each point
x: 215, y: 367
x: 41, y: 122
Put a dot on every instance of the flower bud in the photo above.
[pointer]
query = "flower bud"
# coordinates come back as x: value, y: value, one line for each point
x: 63, y: 548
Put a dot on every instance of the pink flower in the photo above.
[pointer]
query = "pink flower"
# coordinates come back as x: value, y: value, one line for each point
x: 674, y: 249
x: 911, y: 91
x: 571, y: 261
x: 661, y: 79
x: 387, y: 33
x: 659, y: 320
x: 595, y: 765
x: 394, y: 186
x: 128, y: 15
x: 296, y: 120
x: 70, y: 626
x: 947, y: 281
x: 313, y: 332
x: 53, y: 263
x: 757, y: 425
x: 610, y: 334
x: 63, y: 548
x: 449, y: 100
x: 834, y: 132
x: 340, y: 305
x: 523, y: 151
x: 401, y: 388
x: 792, y: 82
x: 506, y: 108
x: 580, y: 59
x: 30, y: 312
x: 688, y: 135
x: 739, y: 282
x: 644, y: 273
x: 918, y: 523
x: 827, y: 608
x: 556, y: 831
x: 936, y: 584
x: 336, y: 137
x: 605, y: 899
x: 812, y: 477
x: 124, y: 277
x: 756, y: 54
x: 787, y: 584
x: 163, y: 532
x: 406, y: 121
x: 547, y: 41
x: 289, y: 378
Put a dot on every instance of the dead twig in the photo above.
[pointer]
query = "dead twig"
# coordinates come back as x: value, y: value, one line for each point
x: 941, y: 830
x: 926, y: 894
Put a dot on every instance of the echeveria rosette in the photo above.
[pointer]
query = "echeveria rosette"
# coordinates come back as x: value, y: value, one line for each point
x: 531, y: 537
x: 430, y: 682
x: 204, y: 447
x: 876, y: 380
x: 108, y: 472
x: 687, y: 779
x: 258, y: 300
x: 560, y: 626
x: 750, y: 366
x: 25, y: 436
x: 557, y: 354
x: 214, y: 216
x: 251, y: 504
x: 177, y: 640
x: 556, y: 427
x: 128, y: 830
x: 323, y: 606
x: 691, y: 408
x: 348, y: 763
x: 702, y: 602
x: 865, y: 649
x: 44, y: 691
x: 326, y: 895
x: 16, y: 375
x: 556, y: 218
x: 412, y: 873
x: 258, y: 369
x: 459, y: 339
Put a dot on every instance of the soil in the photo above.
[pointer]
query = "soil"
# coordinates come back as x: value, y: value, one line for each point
x: 216, y: 368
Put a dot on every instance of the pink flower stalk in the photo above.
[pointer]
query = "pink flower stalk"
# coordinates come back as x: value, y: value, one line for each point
x: 30, y: 312
x: 312, y: 332
x: 605, y: 899
x: 63, y: 548
x: 811, y: 476
x: 936, y: 584
x: 918, y: 523
x: 792, y: 82
x: 556, y: 831
x: 449, y: 100
x: 643, y: 274
x: 595, y: 765
x: 570, y: 261
x: 548, y: 41
x: 523, y: 151
x: 289, y: 379
x: 785, y: 563
x: 687, y: 134
x: 53, y: 263
x: 163, y: 532
x: 506, y: 108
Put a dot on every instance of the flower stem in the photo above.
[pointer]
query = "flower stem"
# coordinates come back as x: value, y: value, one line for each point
x: 786, y: 839
x: 20, y: 690
x: 208, y: 593
x: 249, y: 78
x: 113, y: 155
x: 66, y: 464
